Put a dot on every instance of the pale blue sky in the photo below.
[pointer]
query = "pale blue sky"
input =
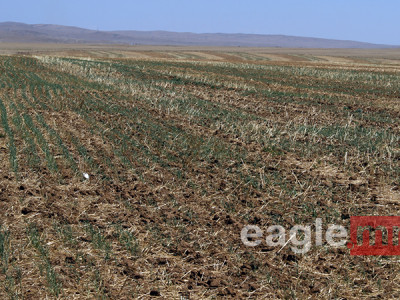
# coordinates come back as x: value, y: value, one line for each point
x: 363, y: 20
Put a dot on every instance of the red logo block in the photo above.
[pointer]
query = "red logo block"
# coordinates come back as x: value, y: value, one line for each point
x: 377, y: 225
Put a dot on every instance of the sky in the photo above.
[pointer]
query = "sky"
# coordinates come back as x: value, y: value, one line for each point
x: 362, y: 20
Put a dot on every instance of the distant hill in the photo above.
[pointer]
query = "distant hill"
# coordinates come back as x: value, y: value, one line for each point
x: 12, y: 32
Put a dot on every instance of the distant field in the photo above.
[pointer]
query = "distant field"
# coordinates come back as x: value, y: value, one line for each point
x: 379, y: 56
x: 131, y: 172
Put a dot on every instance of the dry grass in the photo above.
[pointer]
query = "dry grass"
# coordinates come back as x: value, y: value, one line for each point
x: 183, y: 147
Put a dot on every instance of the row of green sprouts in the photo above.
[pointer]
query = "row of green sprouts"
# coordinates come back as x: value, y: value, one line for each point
x: 90, y: 256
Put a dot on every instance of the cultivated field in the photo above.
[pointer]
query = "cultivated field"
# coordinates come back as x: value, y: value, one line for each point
x: 131, y: 174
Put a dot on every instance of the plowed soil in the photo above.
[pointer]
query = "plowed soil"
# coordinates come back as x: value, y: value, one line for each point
x: 132, y: 176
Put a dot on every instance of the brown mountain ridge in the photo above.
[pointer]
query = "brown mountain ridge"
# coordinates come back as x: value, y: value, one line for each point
x: 12, y: 32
